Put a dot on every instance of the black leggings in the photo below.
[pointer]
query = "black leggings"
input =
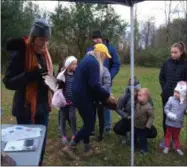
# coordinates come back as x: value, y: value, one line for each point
x: 124, y: 125
x: 164, y: 101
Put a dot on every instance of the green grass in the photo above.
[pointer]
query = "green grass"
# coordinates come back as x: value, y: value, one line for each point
x: 110, y: 151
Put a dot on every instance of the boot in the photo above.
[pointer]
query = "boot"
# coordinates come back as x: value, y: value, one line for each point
x: 88, y: 150
x: 69, y: 151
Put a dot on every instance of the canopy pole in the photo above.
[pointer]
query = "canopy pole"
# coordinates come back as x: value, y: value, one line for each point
x: 132, y: 81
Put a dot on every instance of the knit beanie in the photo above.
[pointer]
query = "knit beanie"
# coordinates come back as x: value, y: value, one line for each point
x: 97, y: 34
x: 67, y: 63
x: 40, y: 28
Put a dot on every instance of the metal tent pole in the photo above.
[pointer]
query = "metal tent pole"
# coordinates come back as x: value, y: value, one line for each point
x: 132, y: 81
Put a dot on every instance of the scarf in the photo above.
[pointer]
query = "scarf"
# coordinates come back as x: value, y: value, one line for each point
x: 30, y: 65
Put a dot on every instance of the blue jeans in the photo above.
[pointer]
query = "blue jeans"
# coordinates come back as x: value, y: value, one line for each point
x: 86, y: 111
x: 108, y: 116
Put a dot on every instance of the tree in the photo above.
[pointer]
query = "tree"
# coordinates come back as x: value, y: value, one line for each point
x: 72, y: 26
x: 184, y: 9
x: 136, y: 30
x: 168, y: 13
x: 147, y: 32
x: 16, y: 19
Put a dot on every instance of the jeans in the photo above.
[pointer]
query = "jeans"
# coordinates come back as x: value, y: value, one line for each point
x: 108, y: 117
x: 86, y: 111
x: 68, y: 113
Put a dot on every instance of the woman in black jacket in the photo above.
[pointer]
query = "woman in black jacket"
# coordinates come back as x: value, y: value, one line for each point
x: 28, y: 63
x: 172, y: 71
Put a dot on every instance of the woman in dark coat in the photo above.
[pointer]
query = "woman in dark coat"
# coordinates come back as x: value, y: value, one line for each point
x: 172, y: 71
x: 86, y: 90
x: 28, y: 63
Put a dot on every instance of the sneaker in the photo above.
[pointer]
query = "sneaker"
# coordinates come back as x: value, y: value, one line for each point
x: 73, y: 137
x: 166, y: 150
x: 69, y: 151
x: 64, y: 140
x: 179, y: 151
x: 88, y: 151
x: 72, y: 143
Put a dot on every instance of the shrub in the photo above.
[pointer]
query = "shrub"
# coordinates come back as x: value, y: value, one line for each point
x: 151, y: 57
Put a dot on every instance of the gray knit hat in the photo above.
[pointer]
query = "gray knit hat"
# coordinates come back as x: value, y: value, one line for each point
x: 41, y: 28
x: 97, y: 34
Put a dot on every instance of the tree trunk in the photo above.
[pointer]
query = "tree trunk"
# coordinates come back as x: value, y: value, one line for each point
x: 168, y: 19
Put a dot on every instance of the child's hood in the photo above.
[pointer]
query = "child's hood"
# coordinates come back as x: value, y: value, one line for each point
x: 61, y: 76
x: 182, y: 89
x: 137, y: 85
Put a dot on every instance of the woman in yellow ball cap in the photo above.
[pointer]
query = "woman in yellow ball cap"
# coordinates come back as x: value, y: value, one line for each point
x: 86, y: 90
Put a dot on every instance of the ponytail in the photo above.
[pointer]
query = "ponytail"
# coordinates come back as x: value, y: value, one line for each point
x: 181, y: 46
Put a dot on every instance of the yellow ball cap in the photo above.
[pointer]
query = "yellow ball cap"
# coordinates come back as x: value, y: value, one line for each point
x: 102, y: 48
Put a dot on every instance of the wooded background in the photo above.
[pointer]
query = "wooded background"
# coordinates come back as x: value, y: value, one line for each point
x: 72, y: 27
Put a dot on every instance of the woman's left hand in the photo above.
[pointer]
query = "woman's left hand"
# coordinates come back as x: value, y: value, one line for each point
x: 111, y: 99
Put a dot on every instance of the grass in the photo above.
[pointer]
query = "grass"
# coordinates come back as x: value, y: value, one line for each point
x: 110, y: 151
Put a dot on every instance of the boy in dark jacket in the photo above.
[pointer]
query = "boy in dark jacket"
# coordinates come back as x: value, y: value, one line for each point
x: 100, y: 108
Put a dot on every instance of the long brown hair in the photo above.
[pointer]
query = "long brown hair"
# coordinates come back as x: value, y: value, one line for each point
x: 181, y: 46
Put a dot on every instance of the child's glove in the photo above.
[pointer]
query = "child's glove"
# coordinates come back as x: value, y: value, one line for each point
x: 172, y: 116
